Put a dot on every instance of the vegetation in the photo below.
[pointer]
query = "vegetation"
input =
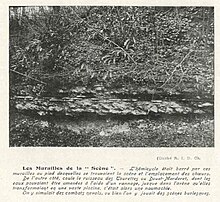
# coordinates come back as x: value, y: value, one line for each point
x: 161, y: 47
x: 112, y: 132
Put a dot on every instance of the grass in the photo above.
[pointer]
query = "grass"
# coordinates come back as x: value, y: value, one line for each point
x: 185, y: 131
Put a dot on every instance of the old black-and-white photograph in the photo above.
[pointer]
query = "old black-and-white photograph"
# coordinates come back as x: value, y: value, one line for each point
x: 111, y: 76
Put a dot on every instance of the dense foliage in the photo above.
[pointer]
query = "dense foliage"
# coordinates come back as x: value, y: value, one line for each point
x: 159, y: 47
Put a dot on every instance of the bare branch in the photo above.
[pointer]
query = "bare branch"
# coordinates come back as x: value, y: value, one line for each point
x: 28, y: 76
x: 179, y: 65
